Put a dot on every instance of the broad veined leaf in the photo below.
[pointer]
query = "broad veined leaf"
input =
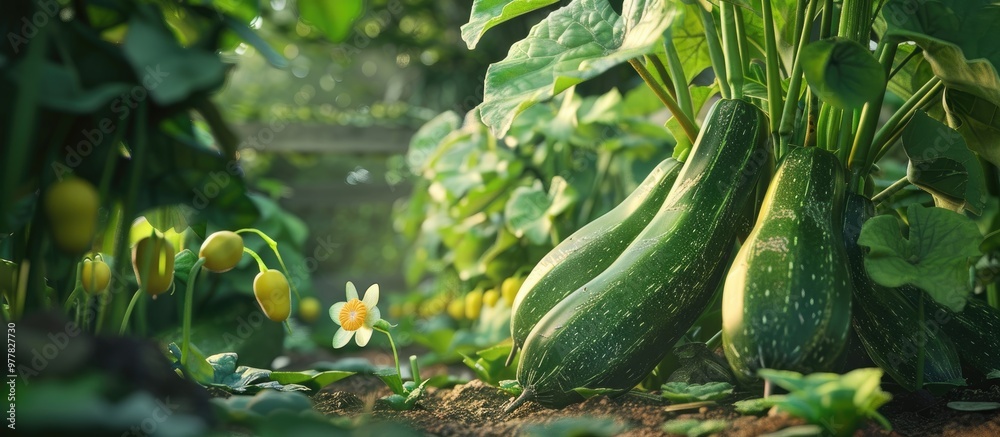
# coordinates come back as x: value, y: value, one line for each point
x: 333, y: 18
x: 571, y: 45
x: 688, y: 35
x: 489, y: 13
x: 977, y: 120
x: 941, y: 164
x: 958, y: 38
x: 842, y: 72
x: 425, y: 141
x: 935, y: 257
x: 530, y: 210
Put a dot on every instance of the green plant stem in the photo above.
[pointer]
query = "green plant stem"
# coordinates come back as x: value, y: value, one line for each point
x: 826, y: 22
x: 188, y: 303
x: 742, y: 39
x: 128, y: 311
x: 856, y: 20
x: 415, y: 369
x: 903, y: 63
x: 392, y: 344
x: 260, y: 263
x: 714, y: 341
x: 715, y: 52
x: 920, y: 344
x: 661, y: 71
x: 859, y: 161
x: 886, y: 135
x: 787, y: 127
x: 138, y: 160
x: 676, y: 69
x: 689, y: 129
x: 274, y: 248
x: 773, y: 73
x: 890, y: 190
x: 731, y: 48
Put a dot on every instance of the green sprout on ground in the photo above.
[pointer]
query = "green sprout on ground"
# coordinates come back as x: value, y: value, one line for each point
x: 838, y: 403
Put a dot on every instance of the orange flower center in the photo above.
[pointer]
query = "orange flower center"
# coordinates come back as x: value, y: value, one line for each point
x: 353, y: 314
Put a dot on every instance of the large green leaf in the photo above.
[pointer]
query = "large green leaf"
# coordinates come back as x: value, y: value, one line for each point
x: 842, y: 72
x: 168, y: 71
x: 529, y: 211
x: 489, y: 13
x: 688, y: 36
x: 784, y: 28
x: 977, y: 120
x: 941, y: 164
x: 571, y: 45
x: 958, y: 38
x: 333, y: 18
x: 935, y: 257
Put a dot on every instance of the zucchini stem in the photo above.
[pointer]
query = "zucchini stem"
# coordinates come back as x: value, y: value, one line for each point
x: 773, y: 73
x: 510, y: 357
x: 887, y: 135
x: 526, y: 395
x: 715, y: 52
x: 787, y: 127
x: 731, y: 48
x: 892, y: 189
x: 677, y: 76
x: 689, y: 129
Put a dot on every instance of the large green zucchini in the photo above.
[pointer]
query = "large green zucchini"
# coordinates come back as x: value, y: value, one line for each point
x: 614, y: 329
x: 887, y: 321
x: 588, y: 251
x: 787, y: 298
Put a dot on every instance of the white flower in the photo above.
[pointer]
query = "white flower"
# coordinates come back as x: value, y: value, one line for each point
x: 355, y: 316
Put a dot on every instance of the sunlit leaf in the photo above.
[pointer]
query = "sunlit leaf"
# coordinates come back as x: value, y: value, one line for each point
x: 941, y: 163
x: 571, y: 45
x: 842, y: 72
x: 957, y: 37
x: 489, y: 13
x: 333, y: 18
x: 935, y: 257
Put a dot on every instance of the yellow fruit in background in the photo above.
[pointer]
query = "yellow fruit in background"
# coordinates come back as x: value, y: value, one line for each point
x: 309, y: 309
x: 509, y: 288
x: 156, y: 254
x: 222, y: 251
x: 473, y: 304
x: 491, y: 297
x: 456, y: 308
x: 71, y: 206
x: 272, y: 292
x: 95, y: 276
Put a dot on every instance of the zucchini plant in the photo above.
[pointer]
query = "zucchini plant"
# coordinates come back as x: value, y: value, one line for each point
x: 817, y: 263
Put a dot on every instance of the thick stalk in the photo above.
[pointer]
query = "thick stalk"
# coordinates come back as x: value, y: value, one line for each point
x: 993, y: 296
x: 894, y: 126
x: 661, y: 71
x: 676, y: 69
x: 859, y: 162
x: 773, y: 72
x: 715, y: 52
x: 128, y: 311
x: 730, y: 44
x: 689, y: 129
x: 792, y: 99
x: 890, y: 190
x: 856, y: 20
x: 826, y: 22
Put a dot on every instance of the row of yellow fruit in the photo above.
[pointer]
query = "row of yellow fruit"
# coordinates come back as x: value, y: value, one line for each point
x: 467, y: 307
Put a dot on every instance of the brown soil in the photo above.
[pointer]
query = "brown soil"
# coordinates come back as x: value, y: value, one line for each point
x: 476, y: 409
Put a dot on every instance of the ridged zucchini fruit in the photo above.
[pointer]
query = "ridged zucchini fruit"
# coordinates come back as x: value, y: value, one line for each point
x: 612, y: 331
x: 887, y: 321
x: 786, y: 303
x: 588, y: 251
